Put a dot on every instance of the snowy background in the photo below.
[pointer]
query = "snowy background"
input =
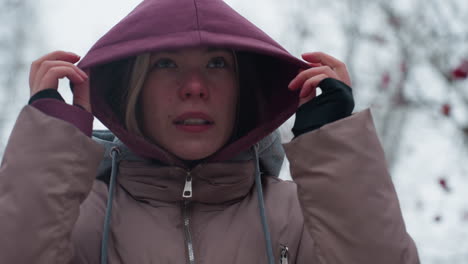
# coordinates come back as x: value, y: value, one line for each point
x: 408, y: 61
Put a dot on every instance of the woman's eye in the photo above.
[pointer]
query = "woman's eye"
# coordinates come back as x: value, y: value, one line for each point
x: 218, y: 62
x: 165, y: 63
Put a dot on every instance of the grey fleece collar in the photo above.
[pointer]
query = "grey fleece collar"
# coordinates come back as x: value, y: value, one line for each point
x: 270, y: 151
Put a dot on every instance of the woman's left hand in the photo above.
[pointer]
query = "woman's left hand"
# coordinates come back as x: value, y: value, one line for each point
x: 335, y: 102
x: 323, y: 66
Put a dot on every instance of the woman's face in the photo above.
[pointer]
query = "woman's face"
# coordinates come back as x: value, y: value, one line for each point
x: 189, y: 101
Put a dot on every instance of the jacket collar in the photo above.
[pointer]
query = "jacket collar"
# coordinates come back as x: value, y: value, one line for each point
x: 211, y: 183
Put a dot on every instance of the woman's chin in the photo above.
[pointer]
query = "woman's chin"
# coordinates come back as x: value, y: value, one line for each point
x: 193, y: 155
x: 194, y: 151
x: 191, y: 148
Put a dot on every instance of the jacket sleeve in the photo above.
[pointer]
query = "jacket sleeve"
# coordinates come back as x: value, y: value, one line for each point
x: 47, y: 171
x: 349, y: 203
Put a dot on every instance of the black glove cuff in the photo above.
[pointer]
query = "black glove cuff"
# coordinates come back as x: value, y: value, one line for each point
x: 47, y: 93
x: 335, y: 102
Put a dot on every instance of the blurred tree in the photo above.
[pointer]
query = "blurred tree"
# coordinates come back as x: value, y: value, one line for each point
x: 390, y: 48
x: 426, y: 34
x: 407, y: 60
x: 17, y: 18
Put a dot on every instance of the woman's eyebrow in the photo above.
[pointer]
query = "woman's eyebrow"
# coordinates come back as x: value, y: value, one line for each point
x: 162, y: 54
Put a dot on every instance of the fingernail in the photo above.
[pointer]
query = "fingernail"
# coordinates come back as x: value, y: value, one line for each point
x: 74, y: 54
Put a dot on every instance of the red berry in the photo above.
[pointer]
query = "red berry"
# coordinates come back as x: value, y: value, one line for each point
x: 444, y: 185
x: 446, y: 109
x: 461, y: 72
x: 385, y: 80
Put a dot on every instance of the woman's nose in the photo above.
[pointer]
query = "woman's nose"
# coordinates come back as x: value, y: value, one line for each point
x: 194, y: 86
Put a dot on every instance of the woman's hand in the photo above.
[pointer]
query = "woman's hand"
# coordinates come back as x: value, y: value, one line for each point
x: 335, y: 102
x: 46, y: 71
x: 323, y: 66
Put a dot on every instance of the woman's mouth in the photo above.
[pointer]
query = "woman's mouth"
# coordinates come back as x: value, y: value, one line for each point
x: 194, y: 122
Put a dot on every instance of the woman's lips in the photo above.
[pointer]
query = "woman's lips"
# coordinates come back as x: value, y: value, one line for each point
x: 194, y: 122
x: 194, y: 128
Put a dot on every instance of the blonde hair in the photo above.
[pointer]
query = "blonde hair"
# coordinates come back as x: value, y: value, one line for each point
x: 138, y: 75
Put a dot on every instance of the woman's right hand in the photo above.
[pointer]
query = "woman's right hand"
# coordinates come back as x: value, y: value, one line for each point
x: 47, y: 70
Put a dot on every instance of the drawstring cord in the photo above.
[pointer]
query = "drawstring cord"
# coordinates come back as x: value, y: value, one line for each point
x: 107, y: 220
x: 261, y: 203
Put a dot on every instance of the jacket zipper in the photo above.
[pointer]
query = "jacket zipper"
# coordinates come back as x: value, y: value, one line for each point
x: 187, y: 194
x: 284, y: 255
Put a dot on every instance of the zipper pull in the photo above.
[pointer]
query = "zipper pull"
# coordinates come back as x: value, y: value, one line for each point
x: 187, y: 193
x: 284, y: 254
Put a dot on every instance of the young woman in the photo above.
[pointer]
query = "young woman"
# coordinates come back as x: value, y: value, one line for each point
x: 188, y: 173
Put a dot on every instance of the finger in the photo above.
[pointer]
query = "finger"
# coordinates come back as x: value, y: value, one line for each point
x: 338, y: 66
x: 309, y: 87
x: 302, y: 77
x: 50, y: 79
x: 56, y: 55
x: 323, y: 58
x: 47, y: 65
x: 315, y: 64
x: 81, y: 95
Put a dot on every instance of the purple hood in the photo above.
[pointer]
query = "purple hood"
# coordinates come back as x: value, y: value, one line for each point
x: 167, y: 24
